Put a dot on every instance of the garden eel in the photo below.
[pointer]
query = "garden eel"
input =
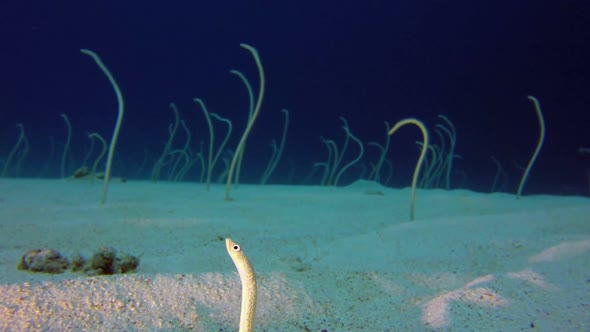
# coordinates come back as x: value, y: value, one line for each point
x: 248, y: 280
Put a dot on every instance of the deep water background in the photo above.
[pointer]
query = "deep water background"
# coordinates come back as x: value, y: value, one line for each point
x: 369, y: 61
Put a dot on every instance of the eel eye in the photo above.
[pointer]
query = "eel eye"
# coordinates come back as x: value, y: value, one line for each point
x: 236, y: 247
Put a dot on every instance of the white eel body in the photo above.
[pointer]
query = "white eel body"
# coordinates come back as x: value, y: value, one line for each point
x: 248, y: 279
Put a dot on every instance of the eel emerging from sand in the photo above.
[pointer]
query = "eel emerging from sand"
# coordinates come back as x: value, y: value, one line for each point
x: 248, y: 279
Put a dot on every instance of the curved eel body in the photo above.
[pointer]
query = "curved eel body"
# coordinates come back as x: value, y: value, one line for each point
x: 248, y: 279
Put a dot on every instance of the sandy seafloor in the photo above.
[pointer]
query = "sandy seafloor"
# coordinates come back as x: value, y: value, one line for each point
x: 327, y: 259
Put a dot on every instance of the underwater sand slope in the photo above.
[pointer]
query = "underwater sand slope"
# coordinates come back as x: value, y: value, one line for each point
x: 327, y: 258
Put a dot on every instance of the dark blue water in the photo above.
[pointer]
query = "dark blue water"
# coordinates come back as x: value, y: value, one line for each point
x: 368, y: 61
